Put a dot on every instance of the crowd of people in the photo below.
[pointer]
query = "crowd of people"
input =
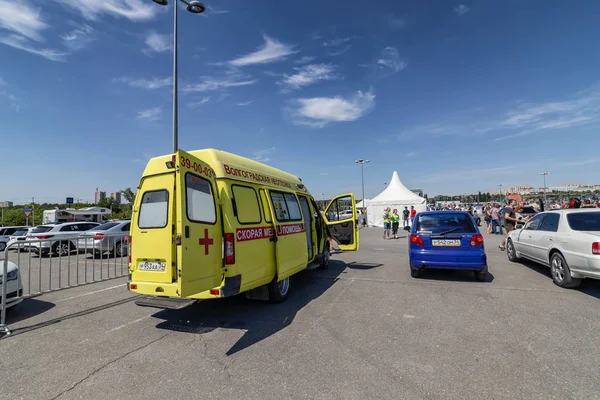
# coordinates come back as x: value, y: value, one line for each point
x: 391, y: 220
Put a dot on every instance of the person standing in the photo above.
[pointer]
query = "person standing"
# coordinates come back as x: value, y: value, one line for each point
x: 413, y: 214
x: 487, y: 212
x: 510, y: 220
x: 387, y: 223
x: 395, y: 223
x: 495, y: 213
x: 405, y: 215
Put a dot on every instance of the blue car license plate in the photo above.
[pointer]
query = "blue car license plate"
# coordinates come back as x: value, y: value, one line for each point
x: 445, y: 242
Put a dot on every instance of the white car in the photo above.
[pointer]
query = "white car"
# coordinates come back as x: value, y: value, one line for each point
x: 566, y: 240
x: 66, y: 231
x: 6, y: 232
x: 14, y: 289
x: 19, y: 237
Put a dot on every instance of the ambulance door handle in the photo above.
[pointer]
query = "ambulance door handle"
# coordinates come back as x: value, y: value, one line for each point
x: 187, y: 232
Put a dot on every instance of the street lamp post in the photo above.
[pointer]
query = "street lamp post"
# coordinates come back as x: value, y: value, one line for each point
x: 362, y: 173
x: 195, y: 7
x: 501, y: 197
x: 545, y: 189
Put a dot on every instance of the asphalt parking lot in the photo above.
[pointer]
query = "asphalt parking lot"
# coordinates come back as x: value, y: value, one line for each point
x: 362, y: 329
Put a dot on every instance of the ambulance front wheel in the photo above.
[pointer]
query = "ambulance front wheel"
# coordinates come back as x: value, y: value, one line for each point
x: 278, y: 291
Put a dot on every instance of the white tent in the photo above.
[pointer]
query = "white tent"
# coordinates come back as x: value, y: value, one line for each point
x: 396, y: 195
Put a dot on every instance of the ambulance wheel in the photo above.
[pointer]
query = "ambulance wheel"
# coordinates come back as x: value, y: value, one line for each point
x: 326, y: 256
x: 278, y: 291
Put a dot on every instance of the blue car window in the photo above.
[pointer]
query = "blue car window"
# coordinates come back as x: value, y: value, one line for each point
x: 445, y: 221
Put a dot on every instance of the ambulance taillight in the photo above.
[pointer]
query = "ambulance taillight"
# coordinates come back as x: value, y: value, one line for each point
x: 229, y: 248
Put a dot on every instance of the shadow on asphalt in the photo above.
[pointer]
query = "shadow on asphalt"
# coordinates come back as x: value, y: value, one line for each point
x: 453, y: 276
x: 591, y: 287
x: 26, y: 309
x: 259, y: 320
x: 355, y: 265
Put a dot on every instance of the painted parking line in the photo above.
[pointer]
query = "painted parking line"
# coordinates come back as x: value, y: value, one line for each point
x: 128, y: 323
x: 90, y: 293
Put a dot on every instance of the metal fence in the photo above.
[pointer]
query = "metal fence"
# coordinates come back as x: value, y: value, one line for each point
x: 48, y: 265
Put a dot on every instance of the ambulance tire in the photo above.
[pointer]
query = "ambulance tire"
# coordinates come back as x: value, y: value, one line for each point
x: 278, y: 291
x: 326, y: 256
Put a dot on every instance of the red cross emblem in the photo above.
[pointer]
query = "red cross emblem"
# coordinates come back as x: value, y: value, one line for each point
x: 205, y: 241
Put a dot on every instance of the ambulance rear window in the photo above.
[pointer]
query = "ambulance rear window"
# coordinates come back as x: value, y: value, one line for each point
x: 154, y: 210
x: 200, y: 203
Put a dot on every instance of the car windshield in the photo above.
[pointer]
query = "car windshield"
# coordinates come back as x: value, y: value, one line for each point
x: 105, y: 227
x: 19, y: 233
x: 445, y: 222
x: 41, y: 229
x: 584, y: 221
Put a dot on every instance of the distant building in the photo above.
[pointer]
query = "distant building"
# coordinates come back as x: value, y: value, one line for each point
x: 6, y: 204
x: 418, y: 192
x: 99, y: 196
x: 116, y: 196
x: 521, y: 189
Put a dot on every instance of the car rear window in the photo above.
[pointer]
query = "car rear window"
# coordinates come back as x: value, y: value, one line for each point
x: 584, y: 221
x: 105, y: 227
x: 445, y: 221
x: 154, y: 209
x: 42, y: 229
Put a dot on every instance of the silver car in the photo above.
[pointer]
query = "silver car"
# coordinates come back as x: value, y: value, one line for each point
x: 566, y: 240
x: 110, y: 237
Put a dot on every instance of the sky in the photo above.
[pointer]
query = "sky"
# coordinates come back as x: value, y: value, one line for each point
x: 457, y: 96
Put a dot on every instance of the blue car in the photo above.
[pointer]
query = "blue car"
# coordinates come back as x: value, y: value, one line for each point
x: 446, y: 240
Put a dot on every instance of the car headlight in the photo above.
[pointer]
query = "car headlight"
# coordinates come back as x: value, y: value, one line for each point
x: 12, y: 275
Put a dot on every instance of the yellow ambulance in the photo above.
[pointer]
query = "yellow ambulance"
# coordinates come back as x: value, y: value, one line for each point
x: 210, y: 224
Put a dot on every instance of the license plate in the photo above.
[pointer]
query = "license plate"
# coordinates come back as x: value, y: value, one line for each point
x: 446, y: 242
x: 151, y: 266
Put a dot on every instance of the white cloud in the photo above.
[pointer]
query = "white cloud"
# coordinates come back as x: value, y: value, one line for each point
x: 307, y: 75
x: 134, y: 10
x: 212, y: 10
x: 3, y: 82
x: 341, y: 51
x: 21, y: 18
x: 150, y: 84
x: 262, y: 155
x: 21, y: 43
x: 245, y: 103
x: 389, y: 62
x: 271, y: 51
x: 157, y: 43
x: 304, y: 60
x: 199, y: 103
x: 461, y: 9
x: 150, y: 114
x: 337, y: 41
x: 320, y: 111
x: 209, y: 84
x: 78, y: 38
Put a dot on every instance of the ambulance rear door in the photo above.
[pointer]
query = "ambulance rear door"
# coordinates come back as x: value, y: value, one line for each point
x: 199, y: 227
x: 342, y: 227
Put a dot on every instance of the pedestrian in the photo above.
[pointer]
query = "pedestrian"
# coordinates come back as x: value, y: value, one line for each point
x: 395, y: 223
x: 413, y: 214
x: 510, y: 220
x: 387, y: 223
x: 405, y: 215
x: 487, y: 212
x: 495, y: 214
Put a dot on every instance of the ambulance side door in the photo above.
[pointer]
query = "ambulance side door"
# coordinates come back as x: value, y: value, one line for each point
x: 343, y: 229
x: 291, y: 247
x: 199, y: 228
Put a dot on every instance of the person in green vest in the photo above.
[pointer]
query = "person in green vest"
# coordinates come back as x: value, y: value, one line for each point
x: 387, y: 223
x: 395, y: 223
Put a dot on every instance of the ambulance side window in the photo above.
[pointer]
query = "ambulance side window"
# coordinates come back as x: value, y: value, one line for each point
x: 265, y: 205
x: 200, y: 203
x: 246, y: 203
x: 286, y: 206
x: 154, y: 209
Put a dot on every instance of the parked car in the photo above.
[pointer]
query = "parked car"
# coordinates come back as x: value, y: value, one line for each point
x: 69, y: 231
x: 14, y: 286
x: 446, y: 240
x: 566, y: 240
x: 5, y: 233
x: 19, y: 237
x: 105, y: 238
